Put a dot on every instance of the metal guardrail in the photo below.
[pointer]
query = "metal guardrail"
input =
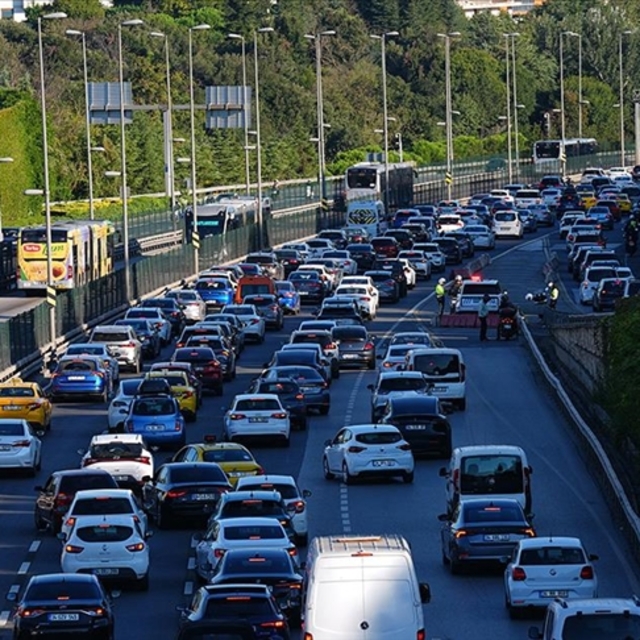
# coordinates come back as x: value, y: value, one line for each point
x: 149, y: 244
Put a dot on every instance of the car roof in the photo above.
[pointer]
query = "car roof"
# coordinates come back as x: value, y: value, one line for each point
x: 371, y: 427
x: 547, y: 541
x: 128, y: 438
x: 251, y: 494
x: 262, y: 396
x: 496, y: 449
x: 250, y: 521
x: 103, y: 493
x: 386, y: 375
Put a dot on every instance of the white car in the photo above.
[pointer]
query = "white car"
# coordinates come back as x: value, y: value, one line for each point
x: 254, y: 324
x: 504, y: 195
x: 318, y: 246
x: 343, y: 258
x: 160, y: 322
x: 327, y: 275
x: 449, y: 222
x: 551, y: 197
x: 366, y: 296
x: 409, y: 272
x: 20, y: 448
x: 238, y: 533
x: 592, y: 277
x: 482, y: 236
x: 294, y: 499
x: 368, y: 450
x: 301, y: 247
x: 124, y: 455
x: 194, y: 306
x: 394, y: 358
x: 548, y: 567
x: 257, y: 415
x: 434, y: 254
x: 418, y: 261
x: 507, y: 224
x: 103, y: 502
x: 122, y: 399
x: 615, y: 172
x: 566, y: 222
x: 96, y: 349
x: 110, y: 546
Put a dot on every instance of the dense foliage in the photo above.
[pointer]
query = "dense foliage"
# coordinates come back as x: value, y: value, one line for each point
x: 351, y: 78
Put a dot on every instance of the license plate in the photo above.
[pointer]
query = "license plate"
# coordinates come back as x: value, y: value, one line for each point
x: 440, y: 389
x: 106, y: 571
x: 237, y: 474
x: 383, y: 463
x: 64, y: 617
x: 257, y: 419
x: 416, y: 427
x: 554, y: 593
x: 203, y: 496
x: 12, y: 407
x: 77, y: 378
x: 155, y: 427
x: 303, y: 293
x: 5, y: 447
x: 120, y: 478
x: 349, y: 356
x: 497, y: 537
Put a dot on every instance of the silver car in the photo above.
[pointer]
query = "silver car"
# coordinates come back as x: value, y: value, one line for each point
x: 192, y: 304
x: 122, y: 343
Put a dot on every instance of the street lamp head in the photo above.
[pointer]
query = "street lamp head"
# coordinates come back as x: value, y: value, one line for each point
x: 56, y: 15
x: 200, y: 27
x: 235, y: 36
x: 98, y: 149
x: 326, y: 125
x: 571, y: 34
x: 266, y: 30
x: 157, y: 34
x: 135, y: 22
x: 556, y: 110
x: 454, y: 34
x: 455, y: 113
x: 314, y: 139
x: 113, y: 174
x: 6, y: 160
x: 309, y: 36
x: 33, y: 192
x: 378, y: 131
x: 391, y: 34
x: 502, y: 118
x: 520, y: 106
x: 585, y: 102
x: 183, y: 160
x: 441, y: 123
x: 179, y: 140
x: 250, y: 147
x: 626, y: 32
x: 329, y: 32
x: 74, y: 32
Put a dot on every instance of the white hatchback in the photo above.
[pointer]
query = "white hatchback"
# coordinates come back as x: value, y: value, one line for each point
x: 112, y: 547
x: 592, y: 278
x: 366, y: 297
x: 368, y: 450
x: 254, y: 323
x: 20, y: 448
x: 542, y: 569
x: 259, y: 415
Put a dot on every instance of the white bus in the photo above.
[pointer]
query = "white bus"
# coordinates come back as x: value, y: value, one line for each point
x: 549, y: 151
x: 367, y: 181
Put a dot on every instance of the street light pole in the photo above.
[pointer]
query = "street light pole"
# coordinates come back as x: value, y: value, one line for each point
x: 580, y: 99
x: 385, y: 123
x: 192, y: 113
x: 246, y: 107
x: 5, y: 160
x: 563, y: 157
x: 123, y: 159
x: 621, y: 97
x: 45, y: 153
x: 508, y: 117
x: 514, y: 94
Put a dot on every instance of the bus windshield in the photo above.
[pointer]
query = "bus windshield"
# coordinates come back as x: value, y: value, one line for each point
x: 361, y: 178
x: 39, y: 234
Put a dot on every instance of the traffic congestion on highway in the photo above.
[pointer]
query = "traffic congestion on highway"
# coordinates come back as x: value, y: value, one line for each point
x: 298, y: 445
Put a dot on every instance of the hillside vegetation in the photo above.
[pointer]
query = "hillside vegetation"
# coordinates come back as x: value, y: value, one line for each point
x: 351, y: 77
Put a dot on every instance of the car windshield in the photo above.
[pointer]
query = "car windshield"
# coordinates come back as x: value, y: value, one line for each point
x: 258, y: 404
x: 102, y: 505
x: 240, y: 607
x: 105, y: 533
x: 254, y: 532
x: 17, y: 392
x: 251, y: 508
x: 153, y: 407
x: 491, y: 513
x: 115, y: 450
x: 491, y: 474
x: 197, y: 473
x: 62, y: 590
x: 552, y: 555
x: 379, y: 437
x: 11, y: 428
x: 226, y: 455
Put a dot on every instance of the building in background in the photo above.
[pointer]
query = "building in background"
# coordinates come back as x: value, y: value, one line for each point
x: 16, y: 9
x: 512, y: 7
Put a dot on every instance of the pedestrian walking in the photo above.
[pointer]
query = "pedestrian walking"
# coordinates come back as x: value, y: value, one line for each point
x: 554, y: 294
x: 441, y: 293
x: 483, y: 313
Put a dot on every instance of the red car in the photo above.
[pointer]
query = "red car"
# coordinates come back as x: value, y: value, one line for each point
x: 386, y: 247
x: 205, y: 365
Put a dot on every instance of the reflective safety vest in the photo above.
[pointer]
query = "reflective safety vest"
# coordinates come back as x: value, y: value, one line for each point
x: 440, y: 291
x: 554, y: 293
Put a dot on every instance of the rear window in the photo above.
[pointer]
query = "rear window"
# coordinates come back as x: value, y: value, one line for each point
x: 527, y: 193
x: 142, y: 313
x: 240, y: 607
x: 100, y: 506
x: 81, y: 365
x: 194, y: 355
x: 80, y: 482
x: 401, y: 384
x: 491, y: 474
x: 199, y: 473
x: 287, y: 491
x: 227, y: 455
x: 63, y: 590
x: 212, y: 285
x: 105, y: 533
x: 164, y: 303
x: 378, y: 437
x: 11, y: 428
x: 247, y: 566
x: 480, y: 288
x: 311, y: 338
x: 251, y: 508
x: 17, y: 392
x: 154, y: 407
x: 595, y: 275
x: 601, y: 626
x: 485, y: 513
x: 349, y: 333
x: 437, y: 364
x: 258, y: 404
x: 505, y: 216
x: 249, y: 289
x: 115, y: 450
x: 278, y: 387
x: 259, y: 532
x: 382, y: 242
x: 552, y: 555
x: 111, y: 336
x: 304, y: 276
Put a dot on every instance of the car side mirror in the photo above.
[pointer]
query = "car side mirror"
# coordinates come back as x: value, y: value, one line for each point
x: 534, y: 633
x: 114, y: 594
x: 81, y: 452
x: 530, y: 516
x: 443, y: 472
x: 62, y: 536
x: 306, y: 493
x: 148, y: 534
x: 328, y: 443
x: 302, y: 566
x: 147, y: 479
x: 425, y: 593
x: 40, y: 433
x: 443, y: 517
x: 370, y: 387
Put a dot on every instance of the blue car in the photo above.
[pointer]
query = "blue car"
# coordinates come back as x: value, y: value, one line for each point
x: 80, y: 376
x: 158, y: 419
x: 216, y: 292
x: 288, y: 297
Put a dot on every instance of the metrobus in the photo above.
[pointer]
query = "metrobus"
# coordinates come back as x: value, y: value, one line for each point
x: 216, y: 220
x: 548, y: 151
x: 367, y: 181
x: 81, y: 251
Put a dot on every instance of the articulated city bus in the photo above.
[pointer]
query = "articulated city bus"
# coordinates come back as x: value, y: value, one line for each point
x: 368, y: 181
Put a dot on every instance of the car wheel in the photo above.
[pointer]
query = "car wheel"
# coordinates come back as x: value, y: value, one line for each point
x: 325, y: 469
x: 407, y: 478
x: 190, y: 416
x: 455, y: 567
x: 335, y: 372
x: 371, y: 365
x: 347, y: 478
x: 324, y: 410
x: 445, y: 560
x: 143, y: 583
x: 39, y: 523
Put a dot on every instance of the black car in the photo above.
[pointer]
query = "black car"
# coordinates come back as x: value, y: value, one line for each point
x: 421, y: 423
x: 387, y: 286
x: 324, y: 340
x: 184, y: 490
x: 465, y: 242
x: 450, y: 248
x: 269, y: 308
x: 290, y: 394
x: 146, y: 333
x: 355, y: 347
x: 171, y: 309
x: 205, y: 365
x: 403, y: 236
x: 396, y: 270
x: 290, y: 260
x: 363, y: 255
x: 312, y: 383
x: 56, y: 495
x: 252, y: 604
x: 341, y: 311
x: 269, y: 264
x: 309, y: 285
x: 272, y: 567
x: 482, y: 531
x: 64, y: 605
x: 337, y: 236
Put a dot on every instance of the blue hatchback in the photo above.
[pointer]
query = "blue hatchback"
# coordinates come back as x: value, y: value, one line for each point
x: 158, y: 419
x: 216, y: 292
x: 288, y: 297
x: 80, y: 376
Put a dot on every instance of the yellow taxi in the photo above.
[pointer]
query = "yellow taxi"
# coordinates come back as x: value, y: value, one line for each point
x: 624, y: 202
x: 588, y: 199
x: 182, y: 390
x: 26, y: 401
x: 234, y: 459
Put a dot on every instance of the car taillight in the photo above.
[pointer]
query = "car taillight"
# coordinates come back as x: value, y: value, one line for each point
x: 88, y: 461
x: 387, y: 364
x: 298, y: 506
x: 390, y: 281
x: 129, y: 344
x: 143, y: 459
x: 330, y: 346
x: 293, y: 551
x: 528, y: 531
x: 213, y: 364
x: 518, y: 574
x: 29, y: 612
x: 175, y: 493
x: 187, y: 394
x: 177, y: 426
x: 586, y: 573
x: 237, y: 416
x: 308, y: 636
x: 72, y: 548
x: 273, y: 624
x: 279, y: 415
x: 63, y: 499
x: 255, y: 321
x: 460, y: 533
x: 368, y: 346
x: 421, y: 634
x: 404, y: 447
x: 94, y: 612
x: 463, y: 372
x: 138, y: 546
x: 356, y: 449
x: 179, y: 344
x: 129, y: 426
x: 21, y: 443
x: 218, y: 553
x: 70, y: 522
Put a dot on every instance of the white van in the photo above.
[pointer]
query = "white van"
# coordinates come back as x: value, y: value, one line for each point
x: 369, y: 215
x: 507, y: 224
x: 488, y: 471
x: 445, y: 369
x: 362, y: 588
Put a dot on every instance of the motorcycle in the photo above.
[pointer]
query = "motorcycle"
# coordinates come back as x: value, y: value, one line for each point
x: 539, y: 297
x: 507, y: 328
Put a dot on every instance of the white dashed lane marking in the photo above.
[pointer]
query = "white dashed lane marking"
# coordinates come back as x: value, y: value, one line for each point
x: 24, y: 568
x: 4, y: 618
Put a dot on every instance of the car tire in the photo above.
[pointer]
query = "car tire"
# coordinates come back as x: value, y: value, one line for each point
x: 335, y: 372
x: 190, y: 416
x: 286, y: 442
x: 445, y: 560
x: 325, y: 469
x: 455, y: 567
x: 143, y: 583
x: 347, y: 478
x: 39, y: 523
x: 324, y: 410
x: 302, y: 540
x: 371, y: 365
x: 407, y: 478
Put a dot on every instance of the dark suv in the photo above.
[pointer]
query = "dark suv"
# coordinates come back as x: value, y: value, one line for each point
x: 290, y: 394
x: 396, y: 270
